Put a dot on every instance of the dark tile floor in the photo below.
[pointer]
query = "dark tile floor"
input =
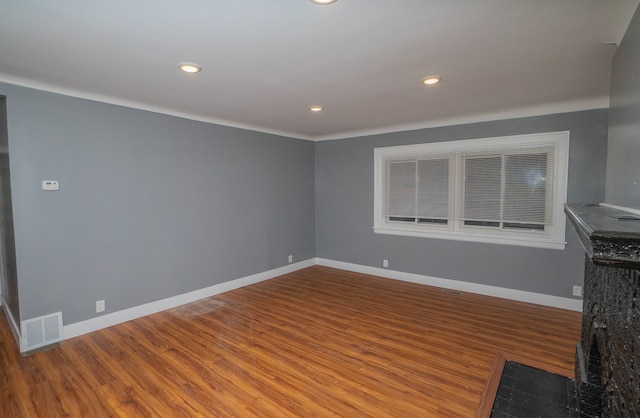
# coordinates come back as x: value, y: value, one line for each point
x: 526, y: 392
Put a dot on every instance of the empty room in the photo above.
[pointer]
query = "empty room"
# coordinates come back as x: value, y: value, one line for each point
x: 320, y: 208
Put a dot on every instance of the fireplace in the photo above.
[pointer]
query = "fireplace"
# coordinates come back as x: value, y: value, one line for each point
x: 608, y: 355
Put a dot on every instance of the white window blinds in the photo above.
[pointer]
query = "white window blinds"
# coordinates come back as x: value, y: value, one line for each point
x: 529, y: 188
x: 510, y: 189
x: 433, y: 189
x: 418, y: 190
x: 483, y: 188
x: 401, y: 201
x: 500, y: 189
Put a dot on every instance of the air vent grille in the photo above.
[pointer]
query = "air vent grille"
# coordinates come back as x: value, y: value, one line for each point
x: 451, y: 292
x: 40, y: 332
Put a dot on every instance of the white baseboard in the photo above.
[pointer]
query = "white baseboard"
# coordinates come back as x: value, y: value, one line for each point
x: 499, y: 292
x: 104, y: 321
x: 15, y: 330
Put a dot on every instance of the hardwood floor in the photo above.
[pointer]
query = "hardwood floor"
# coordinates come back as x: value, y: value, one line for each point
x: 318, y: 342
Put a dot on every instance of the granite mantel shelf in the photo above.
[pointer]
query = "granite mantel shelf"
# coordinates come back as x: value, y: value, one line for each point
x: 611, y: 237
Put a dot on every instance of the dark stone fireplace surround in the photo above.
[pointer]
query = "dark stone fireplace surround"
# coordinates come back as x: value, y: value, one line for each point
x: 608, y: 355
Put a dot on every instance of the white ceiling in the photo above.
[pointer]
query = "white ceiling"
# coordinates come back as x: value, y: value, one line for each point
x: 266, y: 61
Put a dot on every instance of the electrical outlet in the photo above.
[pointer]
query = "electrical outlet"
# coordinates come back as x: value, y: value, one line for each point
x: 290, y: 258
x: 385, y: 263
x: 100, y: 305
x: 52, y: 185
x: 577, y: 291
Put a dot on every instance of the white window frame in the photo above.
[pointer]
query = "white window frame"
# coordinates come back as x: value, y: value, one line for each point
x: 552, y: 238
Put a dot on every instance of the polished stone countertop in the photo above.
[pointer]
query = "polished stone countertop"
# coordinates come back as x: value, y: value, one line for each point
x: 610, y: 236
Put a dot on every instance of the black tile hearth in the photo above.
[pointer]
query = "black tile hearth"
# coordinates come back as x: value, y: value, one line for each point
x: 527, y: 392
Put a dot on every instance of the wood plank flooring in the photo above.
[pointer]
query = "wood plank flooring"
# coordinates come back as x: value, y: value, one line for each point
x: 319, y: 342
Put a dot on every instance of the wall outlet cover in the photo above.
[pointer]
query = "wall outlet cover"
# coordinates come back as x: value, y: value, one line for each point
x: 50, y: 185
x: 577, y: 291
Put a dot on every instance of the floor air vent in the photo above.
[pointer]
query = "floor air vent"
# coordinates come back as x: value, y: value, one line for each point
x: 451, y: 292
x: 40, y: 332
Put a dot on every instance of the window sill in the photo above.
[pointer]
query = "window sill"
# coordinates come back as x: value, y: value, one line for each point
x: 545, y: 243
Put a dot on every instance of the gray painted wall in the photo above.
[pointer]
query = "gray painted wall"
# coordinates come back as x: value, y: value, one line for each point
x: 150, y: 206
x: 344, y: 209
x: 623, y: 165
x: 8, y: 272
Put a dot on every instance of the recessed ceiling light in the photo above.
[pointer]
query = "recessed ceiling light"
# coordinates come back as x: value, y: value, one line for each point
x: 316, y: 108
x: 190, y: 67
x: 324, y: 1
x: 432, y: 79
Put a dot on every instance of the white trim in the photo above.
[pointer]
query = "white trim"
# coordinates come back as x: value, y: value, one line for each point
x: 522, y: 112
x: 622, y: 208
x: 471, y: 237
x: 477, y: 144
x: 554, y: 238
x: 481, y: 289
x: 94, y: 324
x: 12, y: 321
x: 23, y: 82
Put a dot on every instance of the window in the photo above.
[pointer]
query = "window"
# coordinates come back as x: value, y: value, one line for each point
x: 506, y: 190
